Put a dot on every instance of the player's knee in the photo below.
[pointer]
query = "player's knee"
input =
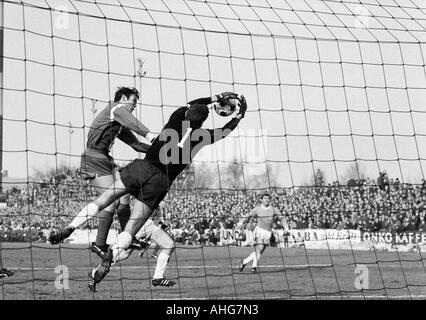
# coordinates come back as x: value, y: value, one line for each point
x: 124, y: 240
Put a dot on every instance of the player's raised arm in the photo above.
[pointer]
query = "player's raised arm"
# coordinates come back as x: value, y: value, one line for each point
x: 122, y: 115
x: 216, y: 98
x: 220, y: 133
x: 127, y: 136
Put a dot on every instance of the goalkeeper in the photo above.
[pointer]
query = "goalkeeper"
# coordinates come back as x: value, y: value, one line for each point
x: 150, y: 179
x: 265, y: 215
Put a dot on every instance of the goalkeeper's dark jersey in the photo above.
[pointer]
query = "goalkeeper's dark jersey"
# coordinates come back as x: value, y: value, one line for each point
x: 176, y: 146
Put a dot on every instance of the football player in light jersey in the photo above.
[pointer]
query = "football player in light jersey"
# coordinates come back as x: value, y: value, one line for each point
x: 265, y: 214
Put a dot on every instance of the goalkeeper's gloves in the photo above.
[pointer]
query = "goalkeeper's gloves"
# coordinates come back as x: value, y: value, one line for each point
x: 243, y: 107
x: 224, y: 96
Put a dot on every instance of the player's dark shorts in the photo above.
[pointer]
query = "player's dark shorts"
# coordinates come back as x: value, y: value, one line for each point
x: 95, y: 163
x: 145, y: 182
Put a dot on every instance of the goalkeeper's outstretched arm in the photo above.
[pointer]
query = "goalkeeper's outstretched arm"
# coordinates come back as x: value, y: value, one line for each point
x: 216, y: 98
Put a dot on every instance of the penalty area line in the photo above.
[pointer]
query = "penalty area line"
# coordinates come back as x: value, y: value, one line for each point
x: 269, y: 266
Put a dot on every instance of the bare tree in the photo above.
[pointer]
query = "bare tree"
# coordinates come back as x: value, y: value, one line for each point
x: 40, y: 173
x: 235, y: 174
x: 93, y: 108
x: 318, y: 178
x: 355, y: 171
x: 141, y: 72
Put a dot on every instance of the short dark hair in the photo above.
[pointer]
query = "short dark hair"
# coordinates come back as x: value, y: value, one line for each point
x: 265, y: 195
x: 125, y: 91
x: 197, y: 113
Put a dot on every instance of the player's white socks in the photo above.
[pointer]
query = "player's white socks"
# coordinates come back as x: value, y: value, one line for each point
x: 162, y: 260
x: 251, y: 257
x: 87, y: 213
x: 124, y: 240
x: 254, y: 265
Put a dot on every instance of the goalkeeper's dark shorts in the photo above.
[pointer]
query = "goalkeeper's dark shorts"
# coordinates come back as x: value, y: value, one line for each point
x: 145, y: 182
x: 95, y: 163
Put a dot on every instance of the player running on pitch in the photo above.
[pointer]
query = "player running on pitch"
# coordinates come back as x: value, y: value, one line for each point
x: 114, y: 121
x: 149, y: 180
x: 265, y: 214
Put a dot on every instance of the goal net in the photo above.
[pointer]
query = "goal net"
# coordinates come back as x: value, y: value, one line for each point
x: 334, y: 131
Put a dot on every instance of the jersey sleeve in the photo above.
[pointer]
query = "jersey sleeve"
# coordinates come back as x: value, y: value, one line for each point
x: 205, y: 101
x: 220, y: 133
x: 127, y: 136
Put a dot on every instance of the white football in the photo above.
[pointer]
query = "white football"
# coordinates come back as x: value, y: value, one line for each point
x: 227, y: 108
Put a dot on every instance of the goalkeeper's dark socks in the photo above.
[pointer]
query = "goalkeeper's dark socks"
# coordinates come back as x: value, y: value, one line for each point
x: 123, y: 213
x: 99, y: 249
x: 104, y: 224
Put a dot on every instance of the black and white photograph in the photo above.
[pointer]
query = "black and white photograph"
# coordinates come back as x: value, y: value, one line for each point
x: 213, y: 150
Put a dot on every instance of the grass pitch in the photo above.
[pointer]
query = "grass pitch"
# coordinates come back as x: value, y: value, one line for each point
x: 211, y: 272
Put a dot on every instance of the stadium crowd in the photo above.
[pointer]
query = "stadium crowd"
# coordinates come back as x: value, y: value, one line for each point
x: 381, y: 204
x: 30, y: 210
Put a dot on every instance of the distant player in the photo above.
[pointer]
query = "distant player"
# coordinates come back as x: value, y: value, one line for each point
x: 114, y: 121
x: 152, y: 231
x: 150, y: 179
x: 265, y: 215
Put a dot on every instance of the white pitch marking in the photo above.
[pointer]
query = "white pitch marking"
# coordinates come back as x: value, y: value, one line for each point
x: 270, y: 266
